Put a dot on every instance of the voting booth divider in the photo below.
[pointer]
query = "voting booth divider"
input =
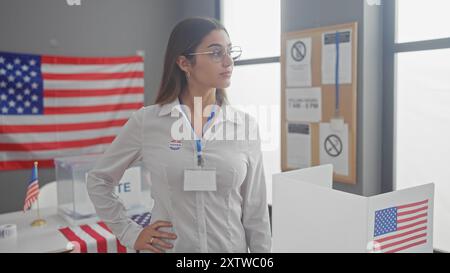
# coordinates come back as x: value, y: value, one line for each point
x: 319, y: 99
x: 309, y: 216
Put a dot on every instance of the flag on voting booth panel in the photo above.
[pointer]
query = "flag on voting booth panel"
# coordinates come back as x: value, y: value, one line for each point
x: 55, y: 106
x: 98, y: 238
x: 401, y: 227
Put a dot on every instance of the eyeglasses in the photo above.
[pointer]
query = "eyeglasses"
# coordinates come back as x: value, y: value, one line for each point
x: 218, y: 54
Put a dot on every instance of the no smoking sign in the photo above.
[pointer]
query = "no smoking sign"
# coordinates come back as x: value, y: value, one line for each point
x: 333, y: 145
x: 298, y: 51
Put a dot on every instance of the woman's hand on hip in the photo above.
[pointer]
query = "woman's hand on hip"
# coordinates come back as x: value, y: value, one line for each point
x: 152, y: 239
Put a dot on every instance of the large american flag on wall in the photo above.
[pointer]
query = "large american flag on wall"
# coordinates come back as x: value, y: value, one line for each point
x: 53, y: 106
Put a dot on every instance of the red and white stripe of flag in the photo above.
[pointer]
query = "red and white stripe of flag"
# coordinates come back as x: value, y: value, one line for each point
x: 32, y: 194
x: 94, y: 238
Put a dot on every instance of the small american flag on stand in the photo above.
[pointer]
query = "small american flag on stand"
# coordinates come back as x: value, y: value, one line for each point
x: 402, y: 227
x: 98, y: 238
x: 32, y: 189
x: 56, y: 106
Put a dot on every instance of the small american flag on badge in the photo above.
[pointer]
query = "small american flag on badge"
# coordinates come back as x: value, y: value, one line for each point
x: 175, y: 145
x: 401, y: 227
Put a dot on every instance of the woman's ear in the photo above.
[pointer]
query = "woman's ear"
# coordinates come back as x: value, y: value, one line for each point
x: 183, y: 63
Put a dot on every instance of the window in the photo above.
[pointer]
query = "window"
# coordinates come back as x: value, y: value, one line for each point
x: 255, y: 86
x: 422, y: 105
x: 420, y: 20
x: 258, y: 33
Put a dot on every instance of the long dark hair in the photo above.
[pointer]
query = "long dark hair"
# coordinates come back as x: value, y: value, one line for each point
x: 184, y: 39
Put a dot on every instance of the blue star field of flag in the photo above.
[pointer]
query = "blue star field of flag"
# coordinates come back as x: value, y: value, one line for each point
x: 21, y: 85
x: 385, y: 221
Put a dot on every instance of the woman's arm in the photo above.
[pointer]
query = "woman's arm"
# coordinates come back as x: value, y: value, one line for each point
x: 102, y: 179
x: 255, y: 208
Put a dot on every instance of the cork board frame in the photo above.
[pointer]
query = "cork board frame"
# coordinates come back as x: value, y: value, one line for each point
x: 347, y: 103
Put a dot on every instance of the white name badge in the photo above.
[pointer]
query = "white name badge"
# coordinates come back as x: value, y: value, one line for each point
x: 200, y: 180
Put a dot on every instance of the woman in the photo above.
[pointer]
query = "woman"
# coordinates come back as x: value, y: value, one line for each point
x: 208, y: 187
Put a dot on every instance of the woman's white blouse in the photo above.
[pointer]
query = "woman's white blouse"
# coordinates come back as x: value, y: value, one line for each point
x: 234, y: 218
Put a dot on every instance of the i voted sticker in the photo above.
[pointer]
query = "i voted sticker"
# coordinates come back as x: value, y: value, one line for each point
x: 175, y: 145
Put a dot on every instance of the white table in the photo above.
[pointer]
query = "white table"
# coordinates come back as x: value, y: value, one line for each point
x: 35, y: 239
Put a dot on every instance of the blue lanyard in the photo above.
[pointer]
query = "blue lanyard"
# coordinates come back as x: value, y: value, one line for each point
x: 198, y: 142
x: 337, y: 71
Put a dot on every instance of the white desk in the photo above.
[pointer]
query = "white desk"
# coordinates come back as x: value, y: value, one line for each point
x: 35, y: 239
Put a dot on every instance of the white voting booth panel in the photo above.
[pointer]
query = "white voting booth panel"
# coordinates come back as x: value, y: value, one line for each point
x: 309, y: 216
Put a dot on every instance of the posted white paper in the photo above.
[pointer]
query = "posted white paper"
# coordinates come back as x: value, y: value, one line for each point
x: 298, y: 145
x: 298, y: 64
x: 329, y: 57
x: 334, y: 148
x: 304, y: 104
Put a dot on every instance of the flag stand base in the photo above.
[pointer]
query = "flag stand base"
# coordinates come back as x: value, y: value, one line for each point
x: 38, y: 223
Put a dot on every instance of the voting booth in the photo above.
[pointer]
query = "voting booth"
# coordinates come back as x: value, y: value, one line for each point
x: 309, y: 216
x: 74, y: 203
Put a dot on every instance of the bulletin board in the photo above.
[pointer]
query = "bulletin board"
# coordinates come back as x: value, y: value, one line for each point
x: 318, y: 43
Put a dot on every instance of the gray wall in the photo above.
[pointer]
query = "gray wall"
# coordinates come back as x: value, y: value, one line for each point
x: 304, y: 14
x: 97, y: 27
x: 191, y: 8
